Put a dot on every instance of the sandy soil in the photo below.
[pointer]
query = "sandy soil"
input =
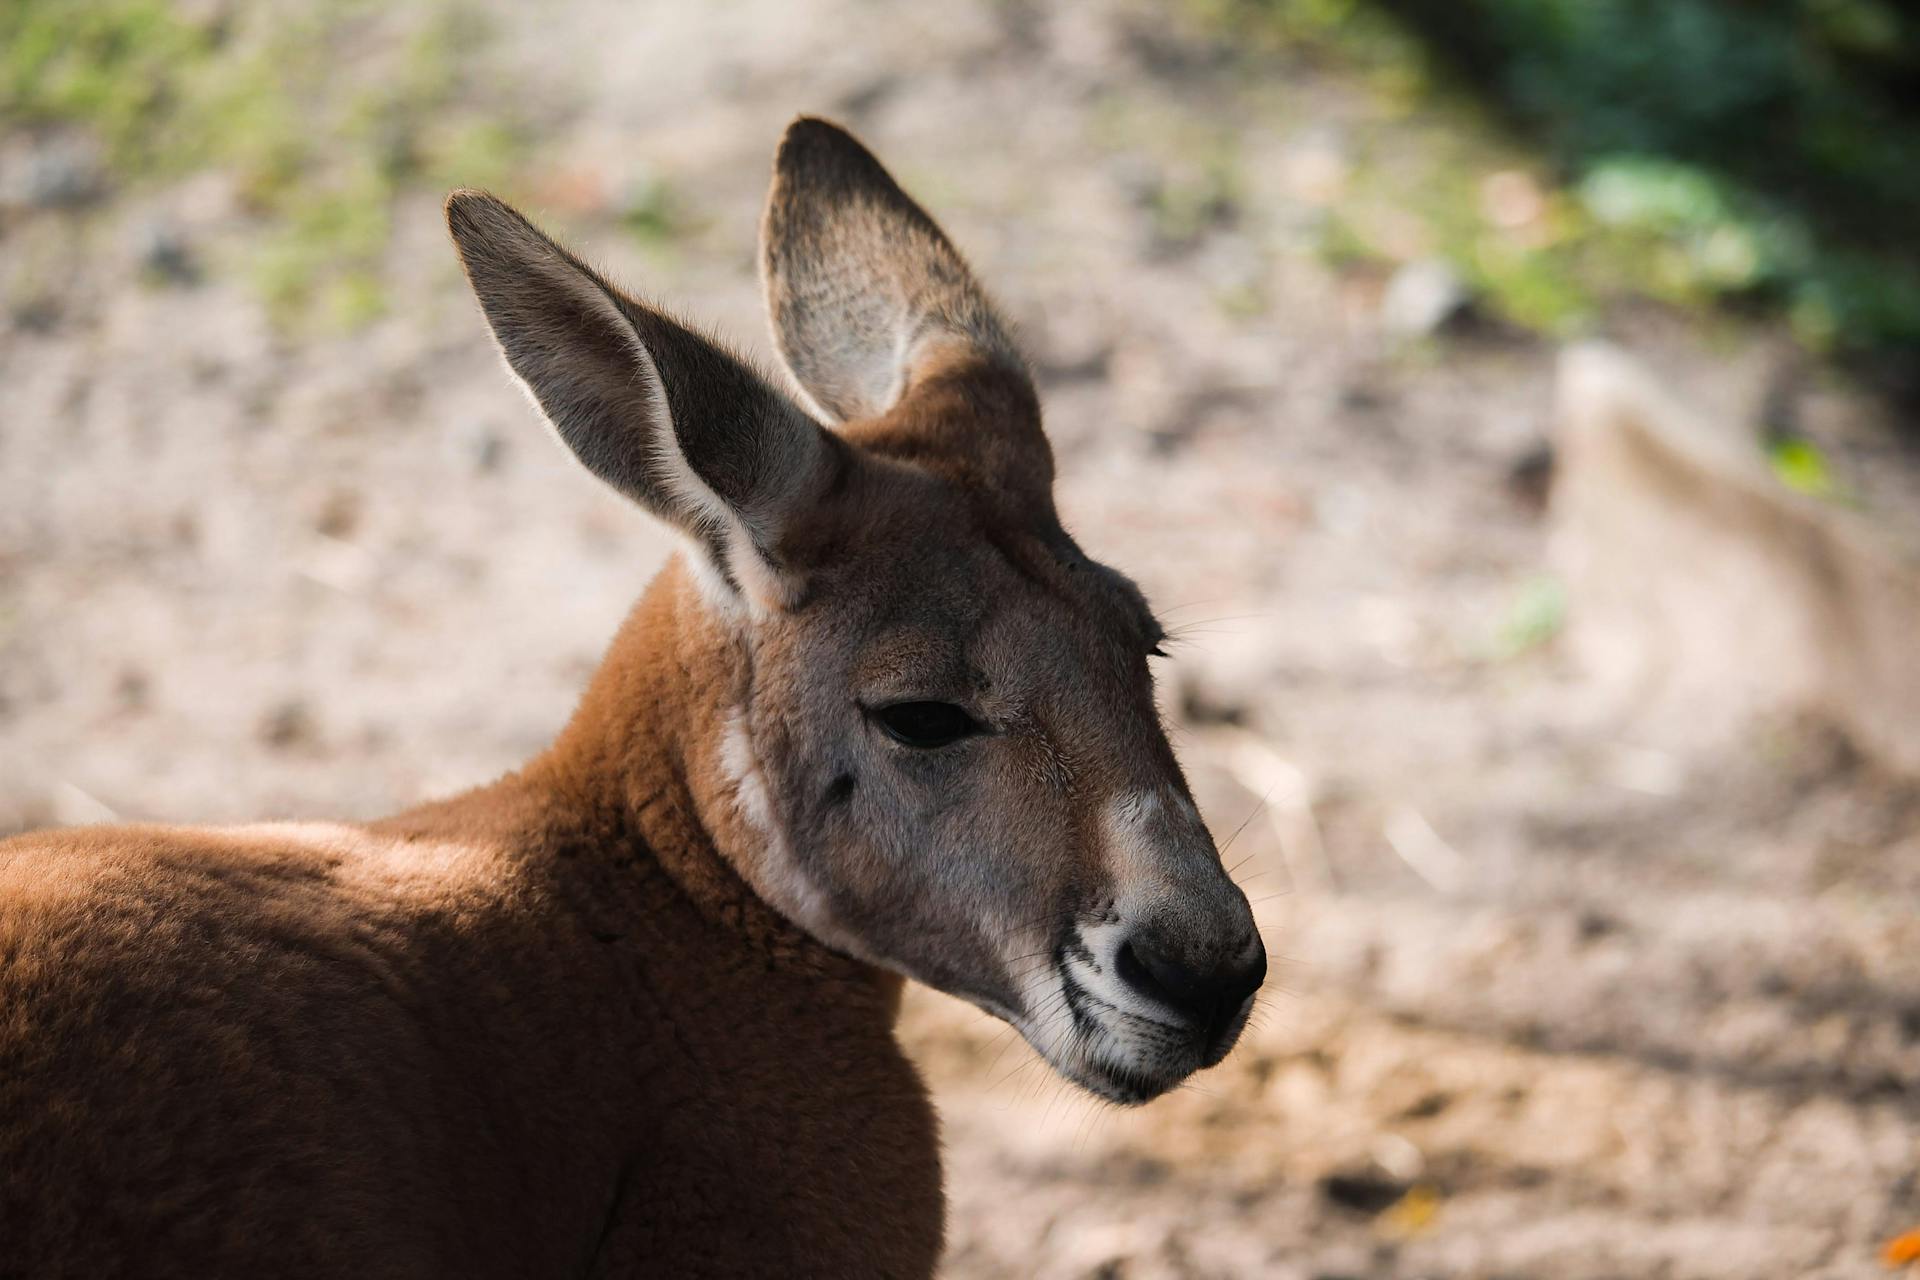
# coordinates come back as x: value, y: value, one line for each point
x: 1561, y: 994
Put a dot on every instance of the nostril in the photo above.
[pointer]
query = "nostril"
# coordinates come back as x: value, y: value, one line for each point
x: 1160, y: 977
x: 1134, y: 972
x: 1207, y: 996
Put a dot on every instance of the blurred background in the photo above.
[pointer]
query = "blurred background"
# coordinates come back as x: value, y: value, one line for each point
x: 1514, y: 405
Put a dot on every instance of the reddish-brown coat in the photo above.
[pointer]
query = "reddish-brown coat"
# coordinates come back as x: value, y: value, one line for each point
x: 539, y: 1029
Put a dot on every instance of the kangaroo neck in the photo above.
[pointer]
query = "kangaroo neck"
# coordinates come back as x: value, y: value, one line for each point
x: 645, y: 751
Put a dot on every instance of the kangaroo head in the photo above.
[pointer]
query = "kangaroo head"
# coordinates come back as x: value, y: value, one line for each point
x: 946, y: 757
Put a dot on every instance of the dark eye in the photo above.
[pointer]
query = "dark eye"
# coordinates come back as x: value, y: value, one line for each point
x: 925, y: 724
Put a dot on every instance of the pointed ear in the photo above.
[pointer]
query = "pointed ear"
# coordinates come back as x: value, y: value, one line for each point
x: 658, y: 412
x: 870, y: 303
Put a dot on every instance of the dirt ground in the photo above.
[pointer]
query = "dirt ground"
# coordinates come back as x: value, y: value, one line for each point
x: 1561, y: 991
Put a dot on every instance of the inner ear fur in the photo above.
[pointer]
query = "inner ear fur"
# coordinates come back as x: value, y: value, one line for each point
x: 873, y: 310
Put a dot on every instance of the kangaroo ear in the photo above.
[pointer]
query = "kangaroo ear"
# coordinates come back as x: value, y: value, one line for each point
x: 871, y: 304
x: 655, y: 410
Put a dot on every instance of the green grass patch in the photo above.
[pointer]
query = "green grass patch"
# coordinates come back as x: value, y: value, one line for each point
x: 1538, y: 614
x: 323, y: 116
x: 1764, y: 156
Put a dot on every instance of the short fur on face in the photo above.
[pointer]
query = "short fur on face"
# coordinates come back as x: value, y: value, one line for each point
x: 1048, y: 863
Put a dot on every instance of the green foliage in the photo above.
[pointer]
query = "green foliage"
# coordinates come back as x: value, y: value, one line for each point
x: 652, y: 213
x: 319, y: 144
x: 1756, y: 91
x: 1768, y: 144
x: 1538, y: 614
x: 1201, y: 196
x: 1801, y: 466
x: 1759, y: 152
x: 114, y: 65
x: 1340, y: 245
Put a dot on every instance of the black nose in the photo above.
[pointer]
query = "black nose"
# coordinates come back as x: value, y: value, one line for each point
x: 1209, y: 997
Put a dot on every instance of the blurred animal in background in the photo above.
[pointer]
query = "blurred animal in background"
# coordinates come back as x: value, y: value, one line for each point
x: 629, y: 1010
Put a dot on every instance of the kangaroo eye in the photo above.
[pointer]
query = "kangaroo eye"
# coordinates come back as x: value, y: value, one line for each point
x: 925, y: 724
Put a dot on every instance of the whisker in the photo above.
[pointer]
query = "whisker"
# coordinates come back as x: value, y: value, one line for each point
x: 1088, y: 1123
x: 1190, y: 604
x: 1180, y: 631
x: 1013, y: 1071
x: 1257, y: 809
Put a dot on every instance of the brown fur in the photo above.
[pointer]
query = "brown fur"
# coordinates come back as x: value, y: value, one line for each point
x: 629, y: 1010
x: 538, y: 1030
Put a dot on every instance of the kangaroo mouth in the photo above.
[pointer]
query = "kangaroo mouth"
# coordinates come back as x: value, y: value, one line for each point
x: 1123, y: 1055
